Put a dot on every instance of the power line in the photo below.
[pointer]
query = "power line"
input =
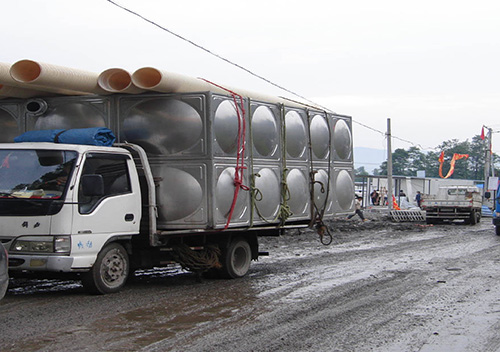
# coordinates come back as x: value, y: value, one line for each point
x: 249, y: 71
x: 211, y: 52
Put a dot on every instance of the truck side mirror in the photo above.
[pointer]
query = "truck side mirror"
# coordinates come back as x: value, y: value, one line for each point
x: 92, y: 185
x: 487, y: 195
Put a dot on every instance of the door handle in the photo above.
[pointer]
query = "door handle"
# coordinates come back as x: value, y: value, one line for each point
x: 129, y: 217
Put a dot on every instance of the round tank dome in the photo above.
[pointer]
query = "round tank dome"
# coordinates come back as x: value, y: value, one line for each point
x: 226, y: 127
x: 344, y: 187
x: 320, y: 136
x: 342, y: 139
x: 163, y: 126
x: 70, y: 115
x: 265, y: 134
x: 320, y: 189
x: 224, y: 193
x: 268, y: 184
x: 296, y: 135
x: 182, y: 200
x: 298, y: 187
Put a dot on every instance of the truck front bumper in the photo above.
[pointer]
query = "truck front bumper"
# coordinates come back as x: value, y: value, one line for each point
x: 40, y: 263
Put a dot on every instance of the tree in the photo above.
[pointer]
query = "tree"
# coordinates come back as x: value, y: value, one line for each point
x: 359, y: 172
x: 405, y: 162
x: 408, y: 162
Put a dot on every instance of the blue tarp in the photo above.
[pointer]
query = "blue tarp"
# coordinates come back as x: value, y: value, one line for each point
x: 99, y: 136
x: 486, y: 212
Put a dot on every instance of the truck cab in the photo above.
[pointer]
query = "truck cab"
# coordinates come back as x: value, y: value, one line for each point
x: 62, y: 204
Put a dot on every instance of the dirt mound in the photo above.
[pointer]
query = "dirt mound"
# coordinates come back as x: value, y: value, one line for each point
x: 375, y: 224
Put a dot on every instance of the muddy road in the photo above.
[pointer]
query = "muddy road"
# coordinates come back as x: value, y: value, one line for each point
x: 378, y: 287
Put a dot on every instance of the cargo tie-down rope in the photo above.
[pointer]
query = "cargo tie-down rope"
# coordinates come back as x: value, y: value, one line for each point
x: 284, y: 211
x: 240, y: 152
x: 323, y: 231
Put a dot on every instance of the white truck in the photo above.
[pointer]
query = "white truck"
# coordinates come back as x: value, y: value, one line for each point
x: 193, y: 178
x: 453, y: 203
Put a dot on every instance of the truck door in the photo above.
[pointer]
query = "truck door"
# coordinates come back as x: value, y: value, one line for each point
x: 117, y: 211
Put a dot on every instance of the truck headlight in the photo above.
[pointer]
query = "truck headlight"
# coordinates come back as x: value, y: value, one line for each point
x: 42, y: 244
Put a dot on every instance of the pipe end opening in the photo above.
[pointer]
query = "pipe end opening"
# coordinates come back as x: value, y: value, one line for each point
x: 146, y: 78
x: 25, y: 71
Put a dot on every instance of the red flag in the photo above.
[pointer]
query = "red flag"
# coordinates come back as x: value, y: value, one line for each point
x: 452, y: 163
x: 482, y: 133
x: 441, y: 157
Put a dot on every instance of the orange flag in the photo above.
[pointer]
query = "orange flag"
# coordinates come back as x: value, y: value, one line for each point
x: 452, y: 163
x: 395, y: 205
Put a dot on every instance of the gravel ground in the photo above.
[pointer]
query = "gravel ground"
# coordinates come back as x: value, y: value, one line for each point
x: 380, y: 286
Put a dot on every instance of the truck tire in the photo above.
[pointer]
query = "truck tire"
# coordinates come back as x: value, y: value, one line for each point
x: 474, y: 218
x: 109, y: 272
x: 236, y: 259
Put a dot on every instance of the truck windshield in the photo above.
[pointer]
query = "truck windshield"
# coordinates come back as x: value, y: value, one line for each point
x: 34, y: 174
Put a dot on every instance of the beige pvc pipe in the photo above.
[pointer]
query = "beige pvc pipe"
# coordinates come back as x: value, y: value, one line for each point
x: 5, y: 77
x: 150, y: 78
x: 117, y: 80
x: 10, y: 88
x: 57, y: 79
x: 18, y: 92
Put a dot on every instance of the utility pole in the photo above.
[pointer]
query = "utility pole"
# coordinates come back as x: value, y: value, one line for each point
x: 389, y: 165
x: 487, y: 159
x: 490, y: 139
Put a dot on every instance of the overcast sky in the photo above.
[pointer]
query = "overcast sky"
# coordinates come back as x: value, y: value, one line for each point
x: 432, y: 67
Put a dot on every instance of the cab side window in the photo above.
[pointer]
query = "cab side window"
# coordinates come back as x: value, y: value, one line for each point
x: 114, y: 172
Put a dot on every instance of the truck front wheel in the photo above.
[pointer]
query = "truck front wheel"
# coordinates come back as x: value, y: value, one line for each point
x: 109, y: 272
x: 236, y: 259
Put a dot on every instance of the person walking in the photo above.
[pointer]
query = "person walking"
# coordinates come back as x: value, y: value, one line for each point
x: 418, y: 198
x: 358, y: 209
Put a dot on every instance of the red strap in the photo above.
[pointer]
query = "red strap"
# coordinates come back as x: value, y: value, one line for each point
x: 240, y: 153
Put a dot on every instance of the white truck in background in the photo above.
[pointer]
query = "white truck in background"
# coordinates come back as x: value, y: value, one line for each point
x: 453, y: 203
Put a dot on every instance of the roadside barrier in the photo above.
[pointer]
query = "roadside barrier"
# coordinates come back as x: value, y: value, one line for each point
x: 407, y: 215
